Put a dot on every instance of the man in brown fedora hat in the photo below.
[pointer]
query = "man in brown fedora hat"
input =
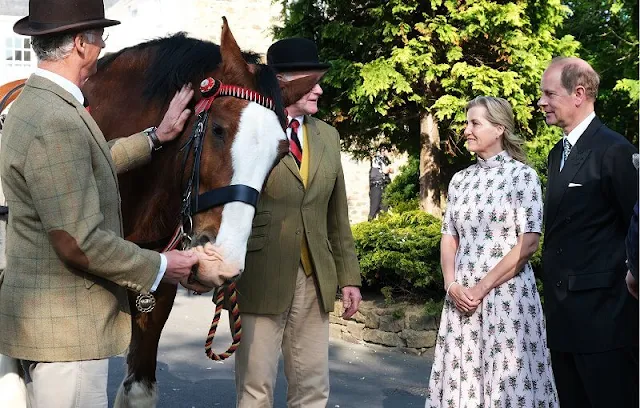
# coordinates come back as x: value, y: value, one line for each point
x: 63, y: 304
x: 300, y: 251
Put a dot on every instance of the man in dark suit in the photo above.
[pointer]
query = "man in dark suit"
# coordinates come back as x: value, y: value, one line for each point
x: 592, y: 321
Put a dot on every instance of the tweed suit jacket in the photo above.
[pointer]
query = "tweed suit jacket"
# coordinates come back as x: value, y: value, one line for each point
x: 287, y: 210
x: 63, y: 294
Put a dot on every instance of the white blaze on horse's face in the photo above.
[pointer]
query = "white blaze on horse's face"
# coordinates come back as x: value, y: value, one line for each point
x: 254, y: 150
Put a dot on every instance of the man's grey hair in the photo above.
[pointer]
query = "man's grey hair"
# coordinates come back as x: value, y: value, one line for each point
x: 56, y: 47
x: 577, y: 72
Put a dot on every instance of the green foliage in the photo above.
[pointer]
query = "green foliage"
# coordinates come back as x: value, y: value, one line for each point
x: 394, y: 61
x: 400, y: 254
x: 608, y: 33
x: 402, y: 194
x: 398, y: 314
x: 538, y: 149
x: 632, y: 88
x: 433, y: 307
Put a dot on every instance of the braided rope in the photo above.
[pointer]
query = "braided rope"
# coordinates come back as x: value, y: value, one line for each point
x: 229, y: 292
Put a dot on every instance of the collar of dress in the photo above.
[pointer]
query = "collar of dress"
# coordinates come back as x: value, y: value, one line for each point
x: 495, y: 161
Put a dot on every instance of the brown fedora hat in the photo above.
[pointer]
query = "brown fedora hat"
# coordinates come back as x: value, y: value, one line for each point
x: 59, y: 16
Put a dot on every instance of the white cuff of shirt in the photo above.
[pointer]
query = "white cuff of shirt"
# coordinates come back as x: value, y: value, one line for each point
x: 163, y: 268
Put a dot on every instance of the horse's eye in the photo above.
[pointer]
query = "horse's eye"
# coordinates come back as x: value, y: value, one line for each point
x: 218, y: 130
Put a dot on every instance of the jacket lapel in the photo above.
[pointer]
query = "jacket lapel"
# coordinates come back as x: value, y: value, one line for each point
x: 316, y: 147
x: 290, y: 163
x: 559, y: 180
x: 43, y: 83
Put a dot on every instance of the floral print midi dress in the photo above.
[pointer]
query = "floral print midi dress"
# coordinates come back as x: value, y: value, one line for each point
x: 497, y: 357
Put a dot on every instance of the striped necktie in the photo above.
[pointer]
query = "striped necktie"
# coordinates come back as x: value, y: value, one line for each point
x: 294, y: 143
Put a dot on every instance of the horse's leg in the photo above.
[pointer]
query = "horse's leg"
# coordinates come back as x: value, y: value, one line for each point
x: 138, y: 389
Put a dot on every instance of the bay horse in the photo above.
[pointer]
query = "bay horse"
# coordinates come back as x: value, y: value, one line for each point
x: 241, y: 139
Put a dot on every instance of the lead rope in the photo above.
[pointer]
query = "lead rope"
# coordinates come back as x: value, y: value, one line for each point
x: 229, y: 293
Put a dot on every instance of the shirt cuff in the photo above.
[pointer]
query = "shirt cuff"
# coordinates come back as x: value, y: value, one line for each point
x: 163, y: 268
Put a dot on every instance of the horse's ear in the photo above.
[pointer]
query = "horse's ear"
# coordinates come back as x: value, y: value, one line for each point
x: 234, y: 66
x: 293, y: 90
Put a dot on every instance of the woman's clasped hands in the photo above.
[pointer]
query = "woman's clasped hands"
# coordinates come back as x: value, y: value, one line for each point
x: 466, y: 300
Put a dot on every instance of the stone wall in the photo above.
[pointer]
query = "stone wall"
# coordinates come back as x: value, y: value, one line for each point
x: 403, y: 326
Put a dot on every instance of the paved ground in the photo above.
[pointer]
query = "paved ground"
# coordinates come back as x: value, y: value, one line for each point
x: 361, y: 376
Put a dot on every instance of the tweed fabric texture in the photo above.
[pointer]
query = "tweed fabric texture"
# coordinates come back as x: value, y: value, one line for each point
x: 63, y: 293
x: 287, y: 211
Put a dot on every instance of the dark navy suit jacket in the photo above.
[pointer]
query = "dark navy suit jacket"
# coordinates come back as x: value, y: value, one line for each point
x: 588, y: 208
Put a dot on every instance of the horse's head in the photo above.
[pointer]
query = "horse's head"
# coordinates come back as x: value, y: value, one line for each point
x: 240, y: 110
x: 239, y: 143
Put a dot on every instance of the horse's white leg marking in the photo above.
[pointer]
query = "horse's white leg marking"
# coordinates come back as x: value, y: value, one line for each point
x: 136, y: 395
x: 254, y: 151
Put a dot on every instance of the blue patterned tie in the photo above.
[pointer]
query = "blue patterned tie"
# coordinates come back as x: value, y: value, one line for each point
x: 566, y: 149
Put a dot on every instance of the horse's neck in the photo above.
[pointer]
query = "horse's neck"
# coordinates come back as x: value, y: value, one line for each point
x: 151, y: 199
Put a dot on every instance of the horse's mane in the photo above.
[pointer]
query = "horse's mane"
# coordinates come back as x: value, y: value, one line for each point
x: 173, y: 61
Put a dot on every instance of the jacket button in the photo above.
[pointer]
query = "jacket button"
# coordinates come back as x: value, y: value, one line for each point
x: 297, y: 232
x: 559, y: 251
x: 567, y: 220
x: 300, y: 187
x: 559, y: 283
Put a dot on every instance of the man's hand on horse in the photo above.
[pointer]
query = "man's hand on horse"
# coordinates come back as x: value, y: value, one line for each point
x: 179, y: 264
x: 177, y: 115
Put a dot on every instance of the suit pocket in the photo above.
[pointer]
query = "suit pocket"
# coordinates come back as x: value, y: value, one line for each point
x: 261, y: 218
x: 256, y: 242
x: 591, y: 281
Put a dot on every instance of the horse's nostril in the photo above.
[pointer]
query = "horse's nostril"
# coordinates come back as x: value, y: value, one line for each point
x: 204, y: 238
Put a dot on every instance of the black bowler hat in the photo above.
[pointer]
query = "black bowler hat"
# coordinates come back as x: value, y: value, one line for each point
x: 295, y: 54
x: 59, y: 16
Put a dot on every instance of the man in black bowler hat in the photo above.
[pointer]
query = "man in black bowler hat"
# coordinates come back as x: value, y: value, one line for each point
x: 300, y: 251
x: 63, y: 294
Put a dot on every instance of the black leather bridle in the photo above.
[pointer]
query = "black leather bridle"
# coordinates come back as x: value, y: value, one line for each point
x: 192, y: 202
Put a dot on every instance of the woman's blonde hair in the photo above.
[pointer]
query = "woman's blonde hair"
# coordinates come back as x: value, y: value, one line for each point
x: 500, y: 113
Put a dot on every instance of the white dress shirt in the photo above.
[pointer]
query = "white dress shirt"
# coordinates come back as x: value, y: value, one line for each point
x: 575, y: 134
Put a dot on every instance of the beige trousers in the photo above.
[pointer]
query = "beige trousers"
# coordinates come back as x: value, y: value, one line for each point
x: 75, y: 384
x: 301, y: 333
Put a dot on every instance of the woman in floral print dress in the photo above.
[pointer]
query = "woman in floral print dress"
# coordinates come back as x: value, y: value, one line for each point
x: 491, y: 350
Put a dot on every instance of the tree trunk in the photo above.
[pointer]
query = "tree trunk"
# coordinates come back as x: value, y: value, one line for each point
x: 430, y: 155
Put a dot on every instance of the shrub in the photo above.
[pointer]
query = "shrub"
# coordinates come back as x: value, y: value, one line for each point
x: 402, y: 194
x: 400, y: 252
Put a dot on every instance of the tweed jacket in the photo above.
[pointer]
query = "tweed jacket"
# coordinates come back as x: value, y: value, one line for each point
x: 63, y: 294
x: 285, y: 211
